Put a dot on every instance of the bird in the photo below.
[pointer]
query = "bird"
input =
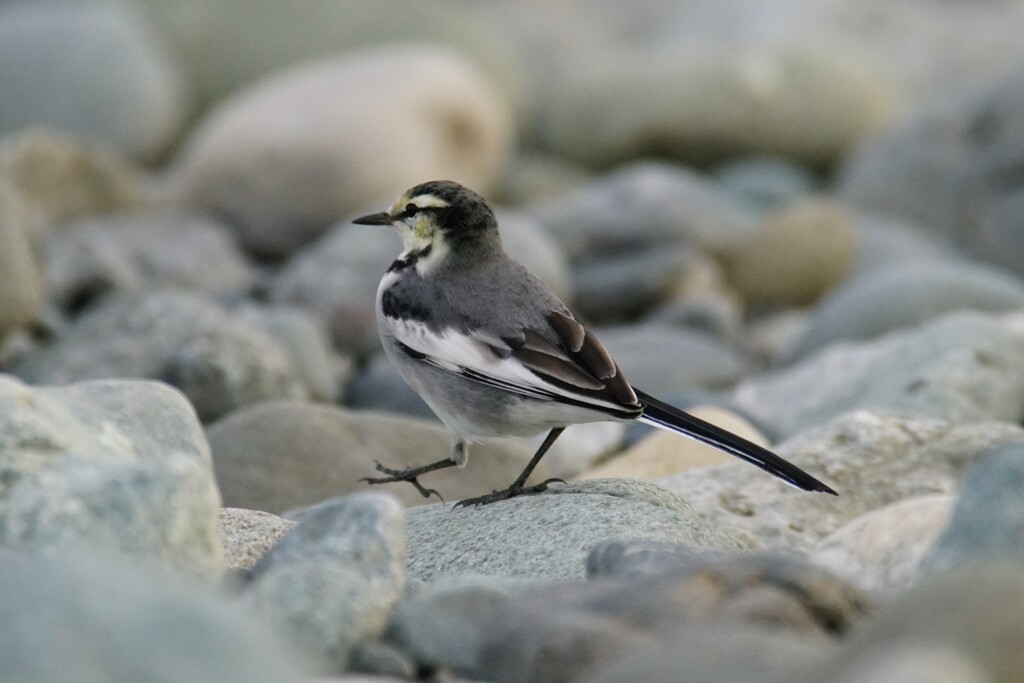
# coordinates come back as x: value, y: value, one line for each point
x: 494, y: 352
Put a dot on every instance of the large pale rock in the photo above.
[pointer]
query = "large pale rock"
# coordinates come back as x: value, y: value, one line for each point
x: 881, y: 550
x: 548, y: 535
x: 93, y: 618
x: 286, y: 157
x: 702, y: 105
x: 88, y: 68
x: 960, y: 367
x: 224, y: 49
x: 870, y: 459
x: 116, y: 466
x: 280, y: 455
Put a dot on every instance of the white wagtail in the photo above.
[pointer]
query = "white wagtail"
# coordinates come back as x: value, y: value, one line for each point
x: 493, y: 351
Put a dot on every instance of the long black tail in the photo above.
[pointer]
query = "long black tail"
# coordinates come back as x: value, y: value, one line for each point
x: 660, y: 414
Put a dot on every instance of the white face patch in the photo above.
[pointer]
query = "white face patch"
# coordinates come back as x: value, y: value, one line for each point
x: 419, y: 234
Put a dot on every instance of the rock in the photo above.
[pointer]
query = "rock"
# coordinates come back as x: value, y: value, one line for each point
x: 565, y: 630
x: 754, y: 588
x: 912, y: 662
x: 331, y: 582
x: 906, y: 295
x: 798, y: 254
x: 644, y: 205
x: 143, y: 252
x: 443, y: 624
x: 222, y: 52
x: 870, y: 459
x: 528, y: 242
x: 21, y: 283
x: 771, y: 337
x: 880, y: 551
x: 220, y: 361
x: 708, y: 103
x: 247, y: 535
x: 625, y: 285
x: 660, y: 359
x: 286, y: 157
x: 704, y: 305
x: 126, y: 93
x: 951, y: 167
x: 579, y: 447
x: 973, y: 617
x: 663, y: 453
x: 280, y: 455
x: 380, y: 387
x: 336, y: 277
x: 884, y: 242
x: 93, y: 618
x: 766, y: 183
x: 303, y: 337
x: 717, y: 654
x: 60, y: 178
x: 987, y: 523
x: 530, y: 177
x: 548, y: 535
x: 960, y: 367
x: 117, y: 467
x: 486, y: 629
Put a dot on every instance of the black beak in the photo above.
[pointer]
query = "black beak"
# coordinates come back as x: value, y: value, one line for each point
x: 382, y: 218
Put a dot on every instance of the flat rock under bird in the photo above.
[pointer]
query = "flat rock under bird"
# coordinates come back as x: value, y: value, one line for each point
x: 493, y: 351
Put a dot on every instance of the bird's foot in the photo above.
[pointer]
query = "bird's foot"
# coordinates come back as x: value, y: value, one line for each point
x: 516, y: 489
x: 409, y: 474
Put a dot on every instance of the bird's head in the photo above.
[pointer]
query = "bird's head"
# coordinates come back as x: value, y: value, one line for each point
x: 440, y: 217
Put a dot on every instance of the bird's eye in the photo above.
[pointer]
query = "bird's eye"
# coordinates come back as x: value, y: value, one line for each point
x: 411, y: 209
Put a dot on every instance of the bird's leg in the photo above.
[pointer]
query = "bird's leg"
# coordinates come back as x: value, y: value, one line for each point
x: 457, y: 458
x: 517, y: 487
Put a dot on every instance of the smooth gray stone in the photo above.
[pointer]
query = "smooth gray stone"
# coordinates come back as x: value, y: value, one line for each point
x: 548, y: 535
x: 333, y: 579
x: 139, y: 252
x: 220, y: 360
x: 963, y: 366
x: 116, y: 466
x: 987, y: 522
x: 646, y: 204
x: 661, y: 359
x: 904, y: 296
x: 870, y: 459
x: 91, y: 618
x: 624, y: 285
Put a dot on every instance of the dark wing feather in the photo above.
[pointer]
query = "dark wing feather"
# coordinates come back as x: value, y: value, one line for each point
x: 573, y: 359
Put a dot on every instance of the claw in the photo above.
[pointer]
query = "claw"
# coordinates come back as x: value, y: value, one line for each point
x: 395, y: 476
x: 505, y: 494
